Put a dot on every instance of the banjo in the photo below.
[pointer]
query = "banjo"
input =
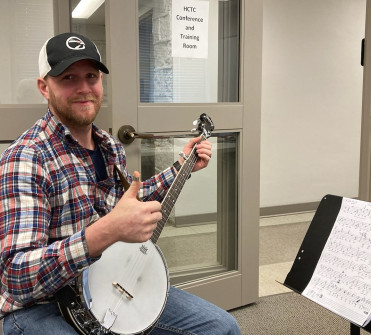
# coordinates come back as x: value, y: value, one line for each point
x: 126, y: 290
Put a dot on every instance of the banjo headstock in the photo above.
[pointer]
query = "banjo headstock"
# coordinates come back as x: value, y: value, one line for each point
x: 204, y: 125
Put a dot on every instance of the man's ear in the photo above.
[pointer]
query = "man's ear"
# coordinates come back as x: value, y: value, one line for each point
x: 43, y: 87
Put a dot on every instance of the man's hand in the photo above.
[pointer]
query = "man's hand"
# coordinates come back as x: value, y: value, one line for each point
x: 130, y: 221
x: 135, y: 220
x: 203, y: 150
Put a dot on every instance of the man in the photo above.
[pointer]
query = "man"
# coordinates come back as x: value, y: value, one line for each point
x: 62, y: 205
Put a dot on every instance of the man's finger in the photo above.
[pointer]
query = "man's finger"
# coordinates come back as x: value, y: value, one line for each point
x: 135, y: 185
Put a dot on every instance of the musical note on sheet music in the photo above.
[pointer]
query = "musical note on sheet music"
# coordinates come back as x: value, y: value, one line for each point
x: 341, y: 281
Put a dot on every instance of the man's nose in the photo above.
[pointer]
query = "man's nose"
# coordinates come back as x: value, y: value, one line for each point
x: 84, y: 86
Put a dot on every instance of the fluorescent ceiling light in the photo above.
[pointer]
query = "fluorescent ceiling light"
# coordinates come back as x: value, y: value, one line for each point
x: 86, y: 8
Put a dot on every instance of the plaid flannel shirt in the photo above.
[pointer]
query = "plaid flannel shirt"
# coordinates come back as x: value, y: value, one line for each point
x: 48, y: 196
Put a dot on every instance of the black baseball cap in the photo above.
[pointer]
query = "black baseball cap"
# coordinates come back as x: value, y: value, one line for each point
x: 61, y: 51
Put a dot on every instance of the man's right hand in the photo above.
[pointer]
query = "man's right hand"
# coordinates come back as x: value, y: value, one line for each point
x: 135, y: 221
x: 130, y: 221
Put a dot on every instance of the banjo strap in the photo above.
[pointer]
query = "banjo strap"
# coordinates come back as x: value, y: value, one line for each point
x: 125, y: 184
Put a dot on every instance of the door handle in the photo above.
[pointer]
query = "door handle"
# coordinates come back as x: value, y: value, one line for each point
x: 127, y: 134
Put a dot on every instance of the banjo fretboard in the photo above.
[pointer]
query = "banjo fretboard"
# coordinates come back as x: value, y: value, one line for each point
x: 176, y: 187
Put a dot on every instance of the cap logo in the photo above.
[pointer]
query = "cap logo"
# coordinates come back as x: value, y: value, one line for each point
x: 75, y: 43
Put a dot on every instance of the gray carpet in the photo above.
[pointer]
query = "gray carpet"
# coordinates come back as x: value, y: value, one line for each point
x: 289, y: 314
x: 281, y: 243
x: 278, y: 244
x: 188, y: 250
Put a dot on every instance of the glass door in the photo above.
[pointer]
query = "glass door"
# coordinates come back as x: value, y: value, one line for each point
x: 179, y: 63
x: 170, y: 62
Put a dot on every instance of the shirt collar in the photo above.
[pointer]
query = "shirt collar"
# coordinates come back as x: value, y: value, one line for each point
x: 57, y: 127
x: 101, y: 137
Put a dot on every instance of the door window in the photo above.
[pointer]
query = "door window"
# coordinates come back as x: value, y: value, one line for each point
x: 25, y: 26
x: 200, y: 236
x: 189, y: 51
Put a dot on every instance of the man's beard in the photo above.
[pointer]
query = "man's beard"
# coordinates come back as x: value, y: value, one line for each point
x: 66, y: 115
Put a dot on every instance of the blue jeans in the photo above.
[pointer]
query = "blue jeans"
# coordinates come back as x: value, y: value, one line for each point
x: 184, y: 314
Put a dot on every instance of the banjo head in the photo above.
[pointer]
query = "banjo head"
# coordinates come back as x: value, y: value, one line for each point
x: 126, y: 289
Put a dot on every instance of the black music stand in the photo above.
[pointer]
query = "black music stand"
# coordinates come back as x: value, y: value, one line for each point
x: 354, y: 330
x: 311, y: 248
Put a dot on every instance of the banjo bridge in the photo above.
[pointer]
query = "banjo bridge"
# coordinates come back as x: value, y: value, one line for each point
x: 122, y: 290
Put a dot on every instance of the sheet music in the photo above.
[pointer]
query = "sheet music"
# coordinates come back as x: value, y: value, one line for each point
x: 341, y: 281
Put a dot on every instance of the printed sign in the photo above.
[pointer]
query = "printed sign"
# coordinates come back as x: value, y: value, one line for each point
x: 190, y: 33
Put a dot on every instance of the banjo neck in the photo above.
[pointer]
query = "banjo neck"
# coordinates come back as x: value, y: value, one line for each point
x: 172, y: 194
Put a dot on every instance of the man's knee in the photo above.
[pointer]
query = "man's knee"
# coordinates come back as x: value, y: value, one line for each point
x: 226, y: 325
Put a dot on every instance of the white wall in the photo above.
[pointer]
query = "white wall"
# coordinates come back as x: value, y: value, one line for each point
x: 311, y: 99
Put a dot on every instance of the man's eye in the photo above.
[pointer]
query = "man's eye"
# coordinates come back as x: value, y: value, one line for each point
x: 67, y: 77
